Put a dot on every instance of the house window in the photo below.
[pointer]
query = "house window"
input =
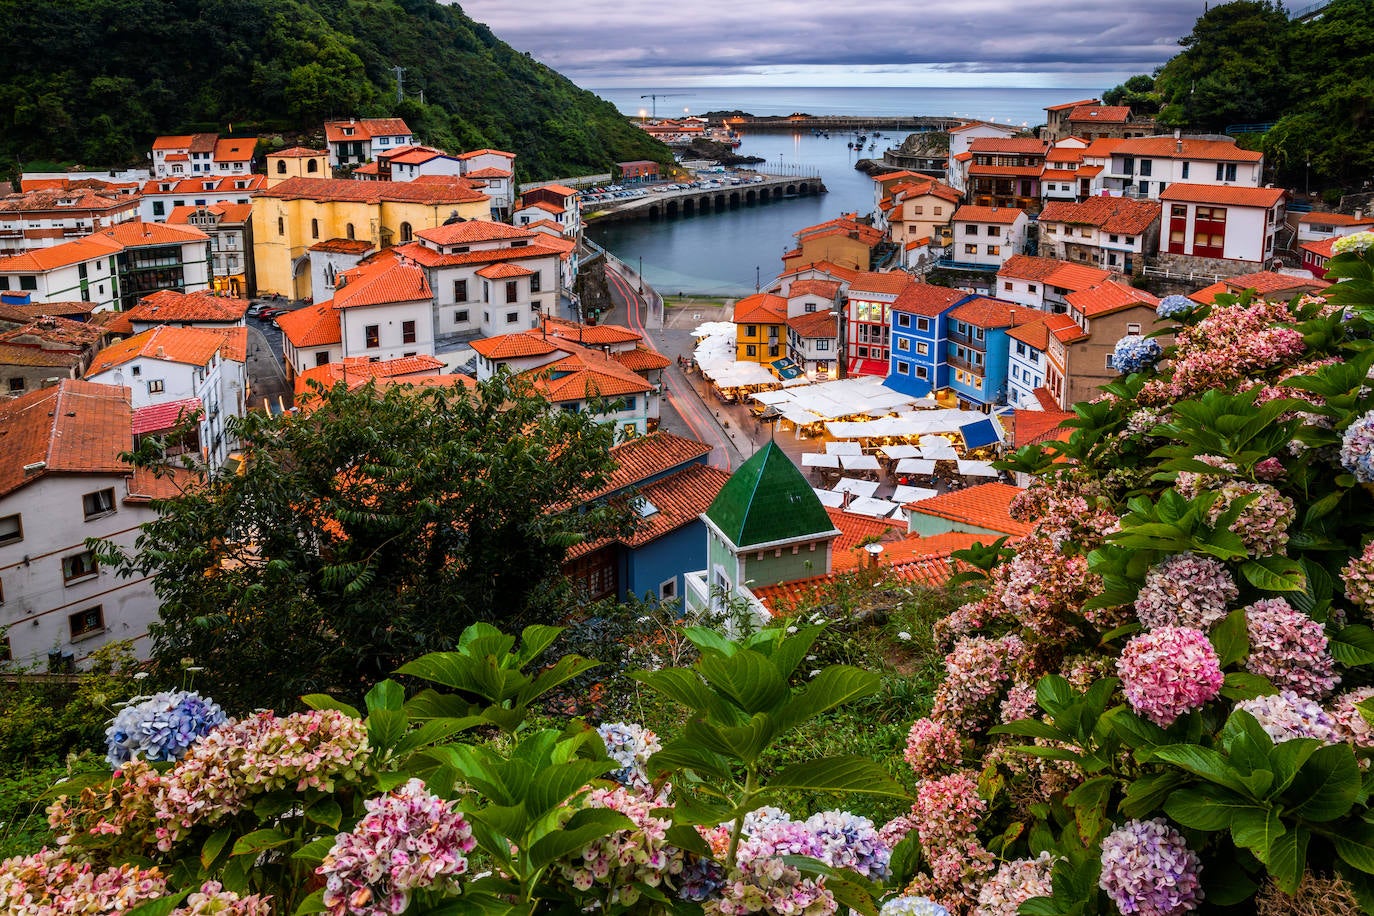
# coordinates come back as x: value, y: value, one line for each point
x: 281, y: 225
x: 1020, y: 349
x: 373, y: 336
x: 1109, y: 361
x: 460, y: 316
x: 750, y: 330
x: 992, y: 230
x: 923, y: 324
x: 159, y: 208
x: 774, y: 351
x: 922, y: 372
x: 89, y: 622
x: 1185, y: 170
x: 1031, y: 287
x: 322, y: 358
x: 939, y: 211
x: 1147, y: 166
x: 16, y: 385
x: 903, y: 344
x: 79, y: 566
x: 348, y: 230
x: 512, y: 317
x: 407, y: 233
x: 460, y: 291
x: 1007, y: 286
x: 11, y: 529
x: 512, y: 291
x: 920, y: 210
x: 407, y: 332
x: 536, y: 285
x: 970, y: 230
x: 970, y: 249
x: 314, y: 228
x: 994, y: 249
x: 156, y: 386
x: 1226, y: 171
x: 903, y: 321
x: 922, y: 349
x: 751, y: 350
x: 667, y: 590
x: 903, y: 368
x: 310, y: 166
x: 822, y: 344
x: 99, y: 503
x: 809, y: 307
x: 281, y: 167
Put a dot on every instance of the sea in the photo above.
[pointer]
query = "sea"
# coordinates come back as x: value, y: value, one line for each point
x: 727, y: 254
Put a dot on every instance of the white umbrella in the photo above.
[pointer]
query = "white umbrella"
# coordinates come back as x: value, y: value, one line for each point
x: 859, y: 462
x: 830, y: 498
x: 901, y: 451
x: 843, y: 448
x: 856, y: 486
x: 813, y: 460
x: 977, y: 468
x: 876, y: 508
x: 904, y: 495
x: 916, y: 466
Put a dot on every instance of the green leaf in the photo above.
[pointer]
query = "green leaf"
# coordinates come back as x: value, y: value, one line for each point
x: 1287, y: 859
x: 213, y: 846
x: 1089, y: 803
x: 1353, y: 646
x: 259, y: 841
x: 1041, y: 906
x: 162, y: 906
x: 1326, y: 786
x: 586, y: 825
x: 1230, y: 638
x: 325, y: 701
x: 748, y: 678
x: 1355, y: 845
x: 1242, y: 685
x: 681, y: 685
x: 385, y: 694
x: 313, y: 903
x: 1053, y: 694
x: 834, y: 686
x: 679, y: 755
x: 1201, y: 761
x: 325, y: 812
x: 1030, y: 728
x: 1274, y: 574
x: 838, y: 774
x: 386, y: 727
x: 313, y: 853
x: 1257, y: 829
x: 1207, y: 807
x: 1148, y: 793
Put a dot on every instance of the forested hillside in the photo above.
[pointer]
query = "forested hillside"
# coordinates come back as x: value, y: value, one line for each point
x: 1247, y: 62
x: 95, y: 80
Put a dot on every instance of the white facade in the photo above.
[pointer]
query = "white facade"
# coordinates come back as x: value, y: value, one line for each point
x: 1249, y: 232
x: 469, y: 305
x: 989, y: 244
x: 1146, y: 176
x: 325, y: 267
x: 959, y: 141
x: 56, y: 598
x: 161, y: 196
x: 1025, y: 373
x: 391, y: 331
x: 90, y: 280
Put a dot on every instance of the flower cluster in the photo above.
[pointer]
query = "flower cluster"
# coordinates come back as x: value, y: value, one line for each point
x: 47, y: 883
x: 631, y: 746
x: 1358, y: 576
x: 1170, y: 306
x: 1169, y: 671
x: 410, y: 839
x: 1134, y: 353
x: 1185, y: 590
x: 625, y: 860
x: 1147, y: 868
x: 1263, y: 523
x: 933, y: 747
x: 1285, y: 716
x: 976, y: 669
x: 213, y: 900
x: 1289, y: 648
x: 1231, y: 343
x: 912, y: 906
x: 1350, y: 724
x: 160, y: 727
x: 947, y: 810
x: 956, y: 873
x: 1357, y: 448
x: 767, y: 885
x: 1355, y: 243
x: 850, y: 841
x: 1014, y: 883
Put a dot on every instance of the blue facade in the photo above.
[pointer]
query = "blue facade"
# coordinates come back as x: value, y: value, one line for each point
x: 917, y: 364
x: 644, y: 570
x: 978, y: 356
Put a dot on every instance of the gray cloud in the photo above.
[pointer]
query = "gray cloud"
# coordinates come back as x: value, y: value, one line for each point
x: 593, y: 40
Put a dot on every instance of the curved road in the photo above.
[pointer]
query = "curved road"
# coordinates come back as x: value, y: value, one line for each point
x: 681, y: 394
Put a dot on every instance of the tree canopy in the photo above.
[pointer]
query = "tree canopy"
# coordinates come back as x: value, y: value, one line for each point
x: 97, y: 80
x: 368, y: 531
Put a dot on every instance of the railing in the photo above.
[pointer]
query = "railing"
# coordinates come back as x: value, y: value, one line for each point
x: 961, y: 363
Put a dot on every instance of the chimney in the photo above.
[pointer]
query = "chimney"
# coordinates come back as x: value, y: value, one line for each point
x: 161, y: 352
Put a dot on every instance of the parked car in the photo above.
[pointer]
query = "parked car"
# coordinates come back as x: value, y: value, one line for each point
x: 268, y: 314
x: 256, y: 310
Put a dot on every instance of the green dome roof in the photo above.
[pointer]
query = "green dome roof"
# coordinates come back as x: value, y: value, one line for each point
x: 768, y: 500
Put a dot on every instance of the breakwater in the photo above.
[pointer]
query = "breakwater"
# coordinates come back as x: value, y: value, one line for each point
x: 841, y: 123
x: 695, y: 201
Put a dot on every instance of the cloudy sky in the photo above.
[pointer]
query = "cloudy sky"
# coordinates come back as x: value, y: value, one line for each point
x: 1051, y: 43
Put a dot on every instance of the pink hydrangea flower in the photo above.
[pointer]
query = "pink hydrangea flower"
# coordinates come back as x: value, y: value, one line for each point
x: 1285, y: 716
x: 1351, y: 725
x: 947, y: 810
x: 933, y: 747
x: 625, y: 860
x: 1358, y: 576
x: 1169, y: 671
x: 1185, y: 590
x: 1289, y: 648
x: 1013, y: 884
x: 48, y: 883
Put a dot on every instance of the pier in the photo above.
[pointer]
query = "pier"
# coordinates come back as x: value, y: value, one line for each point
x: 842, y: 123
x: 704, y: 200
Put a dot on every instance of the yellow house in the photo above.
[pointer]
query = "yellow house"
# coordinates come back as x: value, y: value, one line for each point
x: 761, y: 328
x: 297, y: 162
x: 297, y: 213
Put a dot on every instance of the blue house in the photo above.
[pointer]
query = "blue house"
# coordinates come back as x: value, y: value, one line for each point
x: 666, y: 482
x: 976, y: 348
x: 919, y: 319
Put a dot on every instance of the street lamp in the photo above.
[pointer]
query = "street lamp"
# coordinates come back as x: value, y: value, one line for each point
x: 840, y: 355
x: 757, y: 284
x: 640, y: 274
x: 643, y: 115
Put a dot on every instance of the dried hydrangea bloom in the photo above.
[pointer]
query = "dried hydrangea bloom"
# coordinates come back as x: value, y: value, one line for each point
x: 1185, y: 590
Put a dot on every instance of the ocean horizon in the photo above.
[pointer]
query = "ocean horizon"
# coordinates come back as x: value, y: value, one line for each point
x: 1016, y: 105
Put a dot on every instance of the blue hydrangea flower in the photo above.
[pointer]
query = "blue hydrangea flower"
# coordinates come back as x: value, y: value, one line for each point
x: 631, y: 746
x: 912, y: 906
x: 160, y: 727
x: 1357, y: 448
x: 1170, y: 306
x: 700, y: 879
x: 1134, y: 353
x: 851, y: 841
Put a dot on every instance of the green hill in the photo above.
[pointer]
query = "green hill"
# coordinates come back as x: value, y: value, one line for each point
x: 95, y: 80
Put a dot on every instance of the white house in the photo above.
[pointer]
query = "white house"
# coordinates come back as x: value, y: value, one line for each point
x: 1146, y: 166
x: 45, y: 218
x: 495, y: 169
x: 172, y: 364
x: 959, y: 140
x: 330, y: 258
x: 1314, y: 227
x: 1221, y: 223
x: 1113, y: 233
x: 988, y: 236
x: 407, y: 163
x: 386, y: 310
x: 813, y: 342
x: 113, y: 268
x: 202, y: 154
x: 360, y: 140
x: 187, y: 310
x: 161, y: 196
x: 551, y: 201
x: 1043, y: 283
x: 62, y: 482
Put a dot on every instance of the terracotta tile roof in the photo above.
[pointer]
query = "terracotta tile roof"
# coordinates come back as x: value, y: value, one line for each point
x: 1059, y: 175
x: 986, y: 505
x: 178, y: 141
x: 638, y: 459
x: 982, y: 312
x: 1064, y: 328
x: 343, y: 246
x: 367, y: 168
x: 423, y: 254
x: 1325, y: 248
x: 472, y: 154
x: 136, y: 234
x: 962, y: 157
x: 541, y: 205
x: 926, y: 187
x: 145, y: 485
x: 74, y: 427
x: 1264, y: 282
x: 1122, y: 215
x: 917, y: 243
x: 158, y: 417
x: 299, y: 152
x: 191, y: 346
x: 888, y: 284
x: 585, y: 374
x: 560, y: 189
x: 168, y: 305
x: 513, y: 346
x: 69, y: 201
x: 12, y: 354
x: 1003, y: 215
x: 1004, y: 171
x: 826, y: 289
x: 933, y: 570
x: 1046, y: 399
x: 382, y: 281
x: 830, y: 269
x: 490, y: 171
x: 814, y: 324
x: 232, y: 149
x: 544, y: 224
x: 40, y: 260
x: 237, y: 184
x: 1061, y: 274
x: 357, y: 371
x: 1193, y: 148
x: 1102, y: 147
x: 54, y: 332
x: 926, y: 300
x: 340, y: 190
x: 473, y: 230
x: 1023, y: 145
x: 1216, y: 194
x: 113, y: 323
x: 1335, y: 219
x: 364, y: 129
x: 899, y: 547
x: 1036, y: 334
x: 1102, y: 114
x: 1089, y: 171
x: 592, y: 334
x: 1068, y: 106
x: 23, y: 313
x: 504, y: 271
x: 761, y: 308
x: 312, y: 326
x: 1111, y: 296
x: 413, y: 155
x: 680, y: 498
x: 1034, y: 427
x: 1065, y: 154
x: 889, y: 177
x: 843, y: 225
x: 640, y: 359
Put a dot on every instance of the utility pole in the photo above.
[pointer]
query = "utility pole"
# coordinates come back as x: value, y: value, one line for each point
x: 400, y: 82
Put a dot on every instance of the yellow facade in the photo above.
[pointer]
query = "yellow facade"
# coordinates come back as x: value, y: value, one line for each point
x: 837, y: 249
x: 297, y: 162
x: 284, y: 229
x: 768, y: 342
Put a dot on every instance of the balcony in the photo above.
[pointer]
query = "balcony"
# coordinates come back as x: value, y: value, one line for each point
x: 967, y: 365
x: 964, y: 337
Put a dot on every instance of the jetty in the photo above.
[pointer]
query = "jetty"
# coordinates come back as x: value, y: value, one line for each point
x: 840, y: 123
x: 693, y: 201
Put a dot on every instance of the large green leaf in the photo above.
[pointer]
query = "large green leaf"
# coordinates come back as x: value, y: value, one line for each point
x: 1353, y: 646
x: 385, y: 727
x: 1147, y: 794
x: 838, y: 774
x: 1274, y: 574
x: 1230, y: 638
x: 585, y: 826
x: 748, y: 678
x: 683, y: 686
x: 325, y: 701
x: 834, y: 686
x: 1207, y: 807
x: 1201, y: 761
x: 1287, y: 859
x: 681, y: 755
x: 162, y: 906
x: 1355, y: 845
x: 1326, y: 785
x: 1257, y: 829
x: 556, y: 784
x: 260, y: 841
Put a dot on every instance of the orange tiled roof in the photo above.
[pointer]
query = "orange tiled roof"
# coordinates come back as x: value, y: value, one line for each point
x: 1064, y: 328
x: 490, y: 171
x: 1003, y: 215
x: 984, y: 312
x: 230, y: 149
x: 1324, y: 248
x: 364, y: 129
x: 1024, y: 145
x: 504, y: 271
x: 472, y: 154
x: 986, y: 505
x: 640, y: 359
x: 1004, y: 171
x: 145, y: 485
x: 1065, y: 154
x: 927, y: 300
x: 638, y: 459
x: 1108, y: 297
x: 114, y: 323
x: 560, y: 189
x: 342, y: 190
x: 680, y: 498
x: 868, y: 281
x: 472, y: 230
x: 1102, y: 114
x: 40, y: 260
x: 830, y: 269
x: 761, y: 308
x: 826, y: 289
x: 889, y: 177
x: 584, y: 374
x: 423, y: 254
x: 192, y: 346
x: 1033, y: 427
x: 590, y: 334
x: 357, y: 371
x: 414, y: 155
x: 1263, y: 282
x: 13, y: 354
x: 1110, y: 214
x: 932, y: 570
x: 1217, y: 194
x: 927, y: 187
x: 1066, y: 106
x: 313, y: 326
x: 381, y: 281
x: 1060, y: 274
x: 1192, y: 148
x: 367, y: 168
x: 1036, y: 334
x: 157, y: 417
x: 813, y: 325
x: 299, y: 152
x: 74, y: 427
x: 168, y: 305
x: 1059, y: 175
x: 343, y: 246
x: 68, y: 201
x: 1335, y: 219
x: 179, y: 141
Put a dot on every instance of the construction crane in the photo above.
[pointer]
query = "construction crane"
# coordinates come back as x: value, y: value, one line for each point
x: 655, y: 96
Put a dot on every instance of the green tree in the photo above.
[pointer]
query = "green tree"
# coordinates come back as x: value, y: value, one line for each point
x: 369, y: 530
